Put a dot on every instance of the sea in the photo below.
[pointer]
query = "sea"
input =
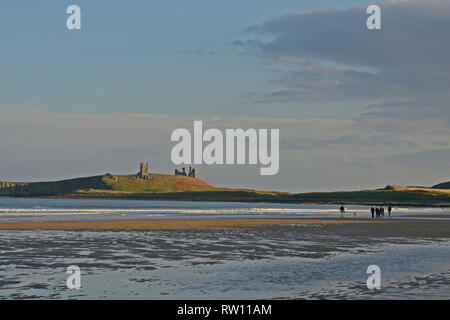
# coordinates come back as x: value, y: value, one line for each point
x: 298, y: 261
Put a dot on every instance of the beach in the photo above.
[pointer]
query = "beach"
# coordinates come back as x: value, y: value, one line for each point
x: 187, y: 250
x: 161, y: 224
x: 347, y: 226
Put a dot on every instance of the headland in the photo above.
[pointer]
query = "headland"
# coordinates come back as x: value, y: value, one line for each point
x: 187, y: 186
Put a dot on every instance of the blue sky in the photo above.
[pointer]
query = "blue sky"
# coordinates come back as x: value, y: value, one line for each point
x: 355, y: 108
x: 171, y: 57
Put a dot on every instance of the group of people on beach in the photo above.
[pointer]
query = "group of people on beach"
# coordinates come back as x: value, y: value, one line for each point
x: 377, y: 212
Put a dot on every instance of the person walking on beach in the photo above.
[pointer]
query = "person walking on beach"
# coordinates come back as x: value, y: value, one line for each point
x: 342, y: 209
x: 372, y: 210
x: 389, y: 210
x: 382, y: 211
x: 377, y: 212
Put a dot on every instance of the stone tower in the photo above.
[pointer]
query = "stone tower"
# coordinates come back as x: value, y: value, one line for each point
x: 192, y: 172
x: 143, y: 172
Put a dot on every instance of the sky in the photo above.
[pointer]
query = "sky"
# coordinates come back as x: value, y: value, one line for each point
x: 356, y: 108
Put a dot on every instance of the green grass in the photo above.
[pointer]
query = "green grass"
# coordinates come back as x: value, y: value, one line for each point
x: 394, y: 195
x: 445, y: 185
x: 370, y: 197
x: 156, y: 183
x: 171, y: 187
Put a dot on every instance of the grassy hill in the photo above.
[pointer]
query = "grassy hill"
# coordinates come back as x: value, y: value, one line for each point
x: 156, y: 183
x: 391, y: 194
x: 444, y: 185
x: 172, y: 187
x: 127, y: 184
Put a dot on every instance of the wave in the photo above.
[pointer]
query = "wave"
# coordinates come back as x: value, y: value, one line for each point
x: 298, y: 211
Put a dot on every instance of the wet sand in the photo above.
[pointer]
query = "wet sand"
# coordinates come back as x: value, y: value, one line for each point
x: 386, y: 228
x: 282, y: 258
x: 163, y: 224
x: 347, y: 227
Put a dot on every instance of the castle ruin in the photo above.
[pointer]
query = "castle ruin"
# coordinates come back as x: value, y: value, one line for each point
x: 192, y: 172
x: 143, y: 172
x: 14, y: 188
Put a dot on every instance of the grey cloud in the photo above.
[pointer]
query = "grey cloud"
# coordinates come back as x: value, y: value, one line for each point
x: 315, y: 154
x: 354, y: 141
x: 414, y: 107
x: 436, y: 159
x: 408, y: 58
x: 322, y: 83
x: 411, y: 32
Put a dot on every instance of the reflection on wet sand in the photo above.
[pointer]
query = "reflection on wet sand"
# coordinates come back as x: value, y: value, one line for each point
x: 302, y: 260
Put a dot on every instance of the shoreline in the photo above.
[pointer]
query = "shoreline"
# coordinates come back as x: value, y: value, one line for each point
x: 177, y: 197
x: 166, y: 224
x: 363, y: 229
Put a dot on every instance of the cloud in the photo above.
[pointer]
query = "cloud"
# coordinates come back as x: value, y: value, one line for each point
x: 438, y: 159
x: 402, y: 70
x: 315, y: 154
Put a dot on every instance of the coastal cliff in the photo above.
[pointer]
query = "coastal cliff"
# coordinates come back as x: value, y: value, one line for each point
x: 185, y: 188
x: 108, y: 183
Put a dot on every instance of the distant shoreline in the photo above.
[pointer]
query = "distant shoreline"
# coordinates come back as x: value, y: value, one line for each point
x: 181, y: 197
x: 165, y: 187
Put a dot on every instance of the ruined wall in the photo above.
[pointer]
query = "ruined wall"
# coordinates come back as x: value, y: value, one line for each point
x: 180, y: 173
x: 51, y: 187
x: 192, y: 172
x: 14, y: 188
